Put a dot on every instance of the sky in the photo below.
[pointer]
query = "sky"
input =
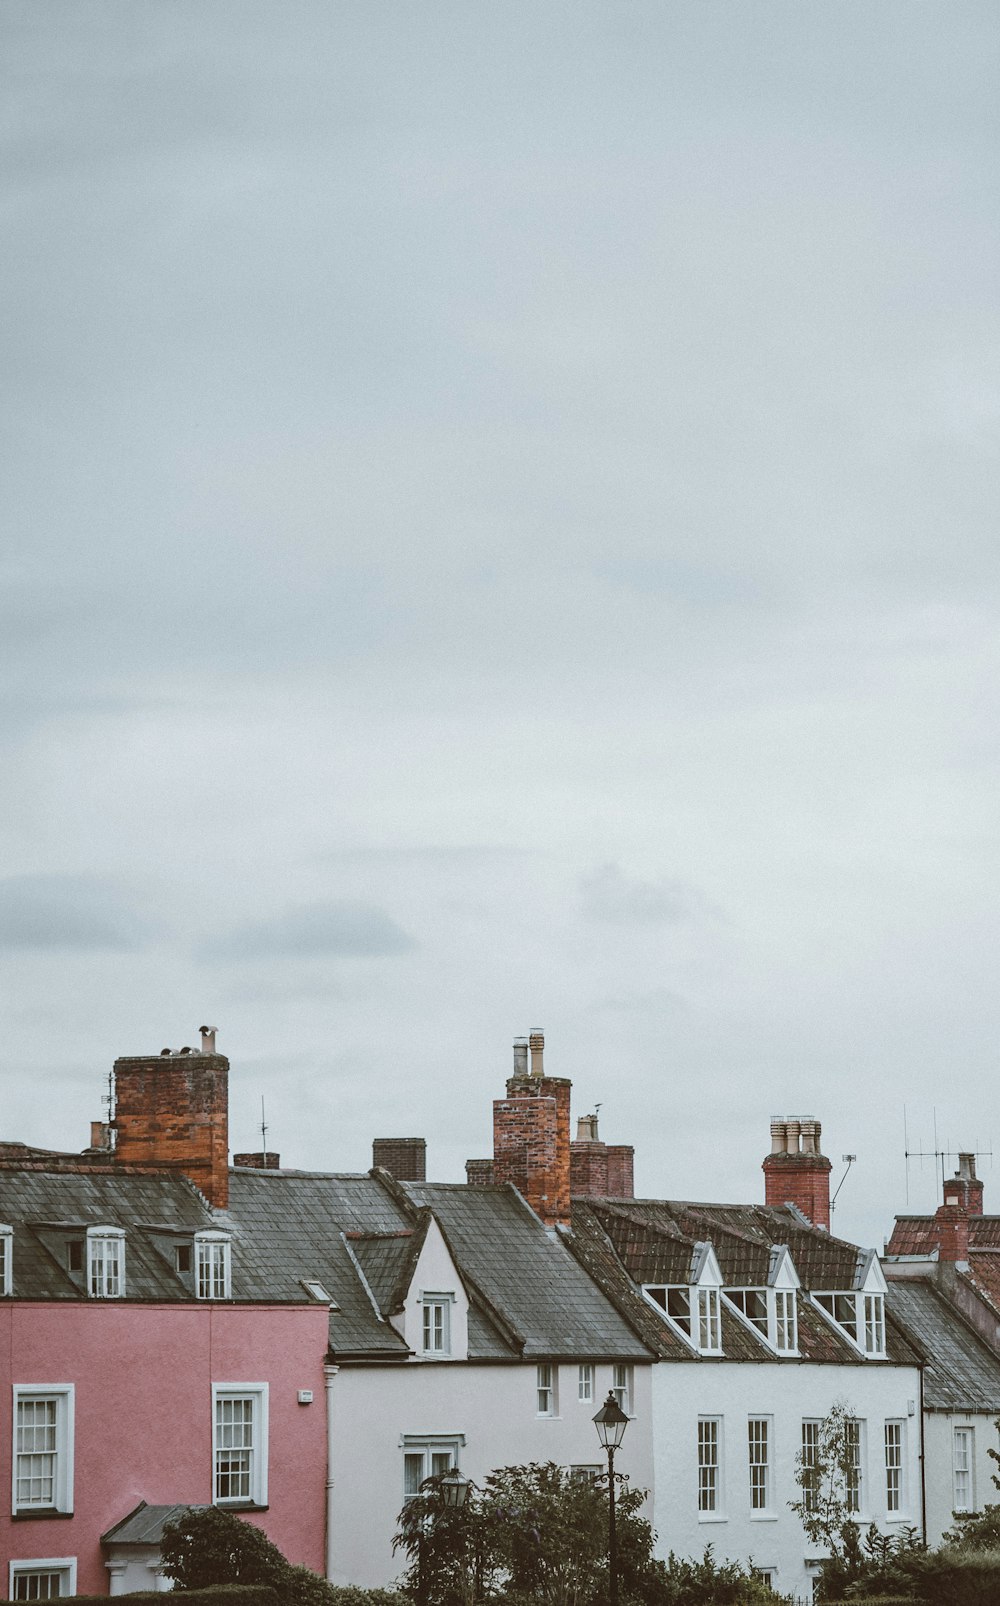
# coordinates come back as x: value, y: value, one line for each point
x: 501, y: 532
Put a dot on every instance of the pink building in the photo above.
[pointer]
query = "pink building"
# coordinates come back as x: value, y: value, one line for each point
x: 151, y: 1357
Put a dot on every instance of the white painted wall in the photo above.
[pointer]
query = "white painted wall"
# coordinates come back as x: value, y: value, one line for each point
x: 493, y: 1406
x: 787, y: 1391
x: 939, y: 1432
x: 435, y: 1273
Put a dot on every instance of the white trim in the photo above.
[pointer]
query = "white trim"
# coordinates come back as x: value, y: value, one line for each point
x: 65, y: 1396
x: 7, y: 1279
x: 103, y: 1235
x: 43, y: 1564
x: 211, y: 1240
x: 258, y: 1392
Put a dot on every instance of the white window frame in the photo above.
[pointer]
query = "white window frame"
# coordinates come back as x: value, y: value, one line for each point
x: 6, y: 1260
x: 212, y: 1252
x: 66, y: 1565
x: 622, y: 1382
x: 585, y: 1471
x: 895, y: 1466
x: 710, y: 1486
x: 105, y: 1262
x: 546, y: 1389
x: 786, y: 1321
x: 435, y: 1326
x: 585, y: 1383
x: 859, y: 1489
x: 257, y: 1394
x: 63, y: 1395
x: 696, y: 1313
x: 809, y: 1457
x: 760, y: 1435
x: 965, y: 1436
x: 872, y: 1314
x: 430, y: 1446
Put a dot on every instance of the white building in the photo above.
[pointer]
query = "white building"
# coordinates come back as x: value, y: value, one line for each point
x: 761, y: 1322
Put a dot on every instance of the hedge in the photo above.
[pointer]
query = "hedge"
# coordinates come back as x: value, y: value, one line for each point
x: 218, y: 1595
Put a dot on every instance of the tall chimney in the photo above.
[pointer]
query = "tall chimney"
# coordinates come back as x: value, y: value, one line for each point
x: 172, y: 1110
x: 796, y: 1171
x: 520, y: 1056
x: 531, y: 1136
x: 965, y: 1188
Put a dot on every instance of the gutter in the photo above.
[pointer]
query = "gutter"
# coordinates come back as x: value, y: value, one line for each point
x: 329, y: 1373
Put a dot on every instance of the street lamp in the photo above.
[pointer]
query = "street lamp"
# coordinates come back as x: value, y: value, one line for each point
x: 611, y: 1422
x: 454, y: 1489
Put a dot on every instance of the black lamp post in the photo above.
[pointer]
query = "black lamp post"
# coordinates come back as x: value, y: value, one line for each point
x: 611, y: 1422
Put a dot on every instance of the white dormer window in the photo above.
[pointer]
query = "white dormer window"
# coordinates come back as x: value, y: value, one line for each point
x: 436, y: 1324
x: 772, y: 1313
x: 6, y: 1259
x: 212, y: 1265
x: 694, y: 1312
x: 106, y: 1262
x: 860, y: 1317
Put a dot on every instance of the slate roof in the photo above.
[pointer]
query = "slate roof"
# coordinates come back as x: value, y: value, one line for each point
x: 627, y: 1243
x: 918, y: 1235
x: 145, y: 1525
x: 360, y: 1237
x: 962, y: 1373
x: 525, y: 1276
x: 48, y: 1208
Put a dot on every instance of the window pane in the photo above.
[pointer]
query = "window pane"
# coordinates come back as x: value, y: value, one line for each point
x: 758, y: 1449
x: 37, y: 1585
x: 234, y: 1448
x: 708, y: 1464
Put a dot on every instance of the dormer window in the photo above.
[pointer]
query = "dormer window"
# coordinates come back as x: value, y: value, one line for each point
x: 860, y: 1317
x: 212, y: 1273
x: 436, y: 1325
x: 6, y: 1259
x: 772, y: 1312
x: 106, y: 1262
x: 694, y: 1312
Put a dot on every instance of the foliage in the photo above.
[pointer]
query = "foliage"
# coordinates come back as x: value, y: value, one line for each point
x: 826, y: 1506
x: 711, y: 1583
x: 975, y: 1530
x: 534, y: 1534
x: 208, y: 1547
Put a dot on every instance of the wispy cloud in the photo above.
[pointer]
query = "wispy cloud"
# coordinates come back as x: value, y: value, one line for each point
x: 53, y: 911
x: 357, y: 930
x: 609, y: 894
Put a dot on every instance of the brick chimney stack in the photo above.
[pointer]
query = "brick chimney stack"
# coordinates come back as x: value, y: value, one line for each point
x: 172, y: 1110
x: 599, y: 1169
x: 404, y: 1158
x: 952, y: 1224
x: 796, y: 1171
x: 531, y: 1144
x: 965, y: 1188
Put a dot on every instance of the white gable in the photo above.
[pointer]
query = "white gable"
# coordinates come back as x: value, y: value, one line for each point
x: 436, y: 1280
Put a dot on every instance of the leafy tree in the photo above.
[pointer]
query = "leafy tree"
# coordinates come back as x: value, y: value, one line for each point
x: 827, y: 1479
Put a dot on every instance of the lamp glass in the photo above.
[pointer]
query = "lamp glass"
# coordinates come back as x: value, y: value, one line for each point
x: 610, y: 1422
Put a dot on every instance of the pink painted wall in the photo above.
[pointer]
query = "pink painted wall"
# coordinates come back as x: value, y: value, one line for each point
x: 143, y: 1376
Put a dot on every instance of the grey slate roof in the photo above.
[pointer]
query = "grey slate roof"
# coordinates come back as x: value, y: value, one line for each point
x: 526, y: 1276
x: 49, y: 1208
x: 962, y: 1374
x: 145, y: 1525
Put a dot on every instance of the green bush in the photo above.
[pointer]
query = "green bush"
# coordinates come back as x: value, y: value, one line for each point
x: 218, y: 1595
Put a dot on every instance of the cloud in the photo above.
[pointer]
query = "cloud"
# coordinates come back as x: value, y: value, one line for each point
x: 609, y: 894
x: 356, y: 930
x: 41, y: 911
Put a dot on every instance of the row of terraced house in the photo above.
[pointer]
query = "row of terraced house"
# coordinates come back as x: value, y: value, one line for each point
x: 305, y: 1348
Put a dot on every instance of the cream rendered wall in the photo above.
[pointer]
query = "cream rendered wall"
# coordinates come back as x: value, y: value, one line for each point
x: 492, y: 1406
x: 787, y: 1391
x: 939, y: 1429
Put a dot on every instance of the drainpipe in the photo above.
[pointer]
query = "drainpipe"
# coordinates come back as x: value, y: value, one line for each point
x: 923, y: 1465
x: 329, y: 1373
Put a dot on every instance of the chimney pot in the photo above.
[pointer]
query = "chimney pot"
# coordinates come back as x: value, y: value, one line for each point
x: 536, y: 1042
x: 208, y: 1038
x: 520, y: 1056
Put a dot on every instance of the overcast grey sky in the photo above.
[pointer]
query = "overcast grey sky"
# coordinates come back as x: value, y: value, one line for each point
x: 501, y: 530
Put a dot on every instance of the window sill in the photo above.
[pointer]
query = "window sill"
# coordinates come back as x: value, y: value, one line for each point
x: 39, y: 1514
x: 763, y: 1516
x: 239, y: 1505
x: 712, y: 1516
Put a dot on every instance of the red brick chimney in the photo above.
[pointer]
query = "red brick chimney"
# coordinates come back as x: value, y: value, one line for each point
x: 952, y: 1223
x: 404, y: 1158
x: 795, y: 1172
x: 596, y: 1168
x: 531, y: 1145
x: 965, y: 1188
x: 172, y: 1110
